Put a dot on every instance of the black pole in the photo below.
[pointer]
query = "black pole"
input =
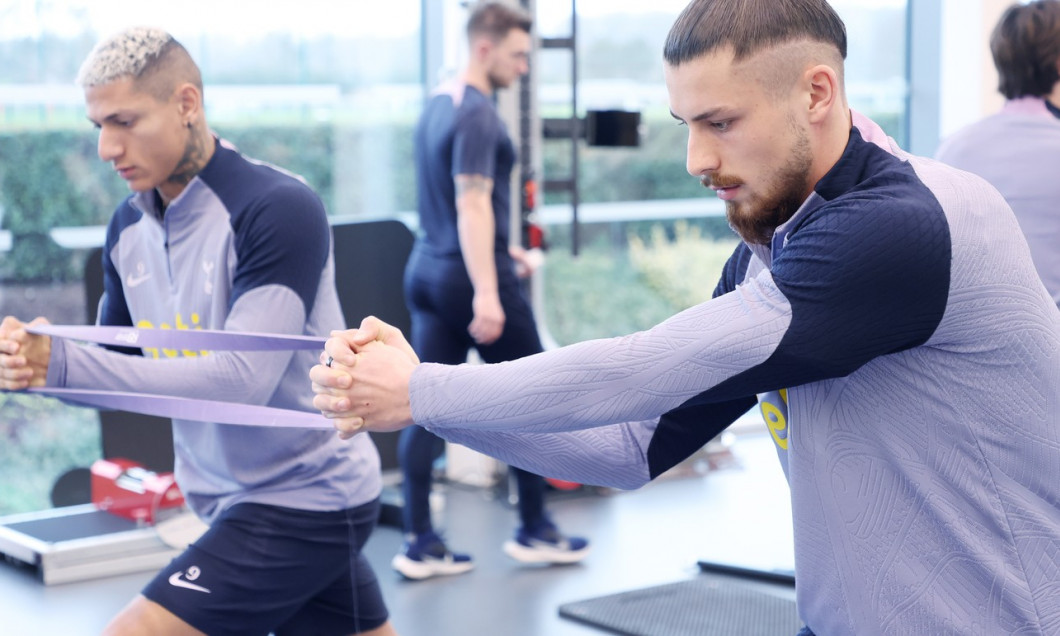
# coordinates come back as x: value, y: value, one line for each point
x: 526, y: 156
x: 575, y: 129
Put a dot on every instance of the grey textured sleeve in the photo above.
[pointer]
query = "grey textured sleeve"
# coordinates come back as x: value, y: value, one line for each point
x: 241, y: 376
x: 590, y: 411
x: 614, y: 456
x: 602, y: 382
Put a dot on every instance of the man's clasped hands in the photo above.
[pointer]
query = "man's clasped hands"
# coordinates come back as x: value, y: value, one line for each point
x: 366, y: 385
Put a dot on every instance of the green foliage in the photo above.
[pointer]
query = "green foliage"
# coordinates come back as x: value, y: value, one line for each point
x: 356, y: 169
x: 614, y: 288
x: 54, y: 178
x: 709, y: 227
x: 598, y: 294
x: 681, y: 270
x: 40, y: 439
x: 305, y: 150
x: 50, y: 179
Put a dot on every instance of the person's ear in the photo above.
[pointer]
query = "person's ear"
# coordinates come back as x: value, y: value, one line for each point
x: 189, y: 103
x: 822, y: 84
x: 481, y: 48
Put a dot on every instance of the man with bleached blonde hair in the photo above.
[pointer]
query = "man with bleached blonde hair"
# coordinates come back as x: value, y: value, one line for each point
x: 210, y: 239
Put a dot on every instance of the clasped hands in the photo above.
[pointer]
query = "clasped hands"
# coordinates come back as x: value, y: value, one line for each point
x: 366, y: 386
x: 23, y: 356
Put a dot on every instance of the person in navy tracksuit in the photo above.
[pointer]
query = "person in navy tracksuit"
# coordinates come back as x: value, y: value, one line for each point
x: 461, y: 286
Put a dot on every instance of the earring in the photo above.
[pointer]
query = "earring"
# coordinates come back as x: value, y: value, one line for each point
x: 188, y: 124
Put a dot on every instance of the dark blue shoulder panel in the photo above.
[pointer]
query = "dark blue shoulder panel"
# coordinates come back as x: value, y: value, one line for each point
x: 866, y: 274
x: 282, y: 236
x: 735, y: 270
x: 687, y: 428
x: 114, y: 310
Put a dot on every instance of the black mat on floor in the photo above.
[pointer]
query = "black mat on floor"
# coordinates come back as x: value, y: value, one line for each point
x: 704, y: 606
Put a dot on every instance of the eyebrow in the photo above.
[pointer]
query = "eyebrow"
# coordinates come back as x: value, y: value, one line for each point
x: 707, y: 114
x: 108, y: 118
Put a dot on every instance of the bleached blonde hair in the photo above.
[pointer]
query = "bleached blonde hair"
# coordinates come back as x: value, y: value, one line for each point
x: 148, y: 55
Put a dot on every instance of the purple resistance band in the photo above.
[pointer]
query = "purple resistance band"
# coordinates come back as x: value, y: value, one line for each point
x: 178, y: 407
x: 181, y: 338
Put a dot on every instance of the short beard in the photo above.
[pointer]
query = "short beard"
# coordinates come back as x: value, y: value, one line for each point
x: 495, y: 83
x: 757, y: 220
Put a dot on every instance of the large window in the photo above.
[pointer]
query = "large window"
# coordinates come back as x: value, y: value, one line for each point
x: 652, y: 240
x: 332, y: 93
x: 301, y: 85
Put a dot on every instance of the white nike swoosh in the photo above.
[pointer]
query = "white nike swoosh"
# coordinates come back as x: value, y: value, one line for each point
x: 135, y: 281
x: 175, y: 580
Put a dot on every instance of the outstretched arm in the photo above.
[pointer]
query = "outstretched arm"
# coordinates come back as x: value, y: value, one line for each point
x: 250, y: 377
x: 693, y: 355
x: 366, y: 387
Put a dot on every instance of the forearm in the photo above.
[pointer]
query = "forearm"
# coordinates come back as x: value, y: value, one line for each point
x: 476, y: 229
x: 241, y: 376
x: 601, y: 382
x: 224, y: 376
x: 613, y: 456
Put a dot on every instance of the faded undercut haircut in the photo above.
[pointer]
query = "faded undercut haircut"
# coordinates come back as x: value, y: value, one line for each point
x: 1025, y: 44
x: 154, y: 60
x: 751, y: 26
x: 495, y: 20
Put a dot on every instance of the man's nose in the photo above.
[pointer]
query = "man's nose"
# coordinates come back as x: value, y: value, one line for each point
x: 702, y: 158
x: 108, y: 147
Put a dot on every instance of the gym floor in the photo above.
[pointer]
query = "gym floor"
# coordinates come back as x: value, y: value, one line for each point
x: 737, y: 511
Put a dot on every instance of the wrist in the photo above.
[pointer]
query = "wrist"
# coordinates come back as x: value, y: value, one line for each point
x: 55, y: 373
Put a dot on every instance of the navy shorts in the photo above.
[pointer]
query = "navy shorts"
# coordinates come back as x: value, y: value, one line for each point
x: 262, y: 569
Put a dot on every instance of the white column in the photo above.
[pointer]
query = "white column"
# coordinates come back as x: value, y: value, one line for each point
x: 968, y: 77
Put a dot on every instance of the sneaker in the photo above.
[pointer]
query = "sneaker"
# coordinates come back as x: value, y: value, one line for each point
x: 425, y: 555
x: 545, y: 544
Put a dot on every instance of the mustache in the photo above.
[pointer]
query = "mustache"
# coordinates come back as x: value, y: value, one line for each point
x: 719, y: 181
